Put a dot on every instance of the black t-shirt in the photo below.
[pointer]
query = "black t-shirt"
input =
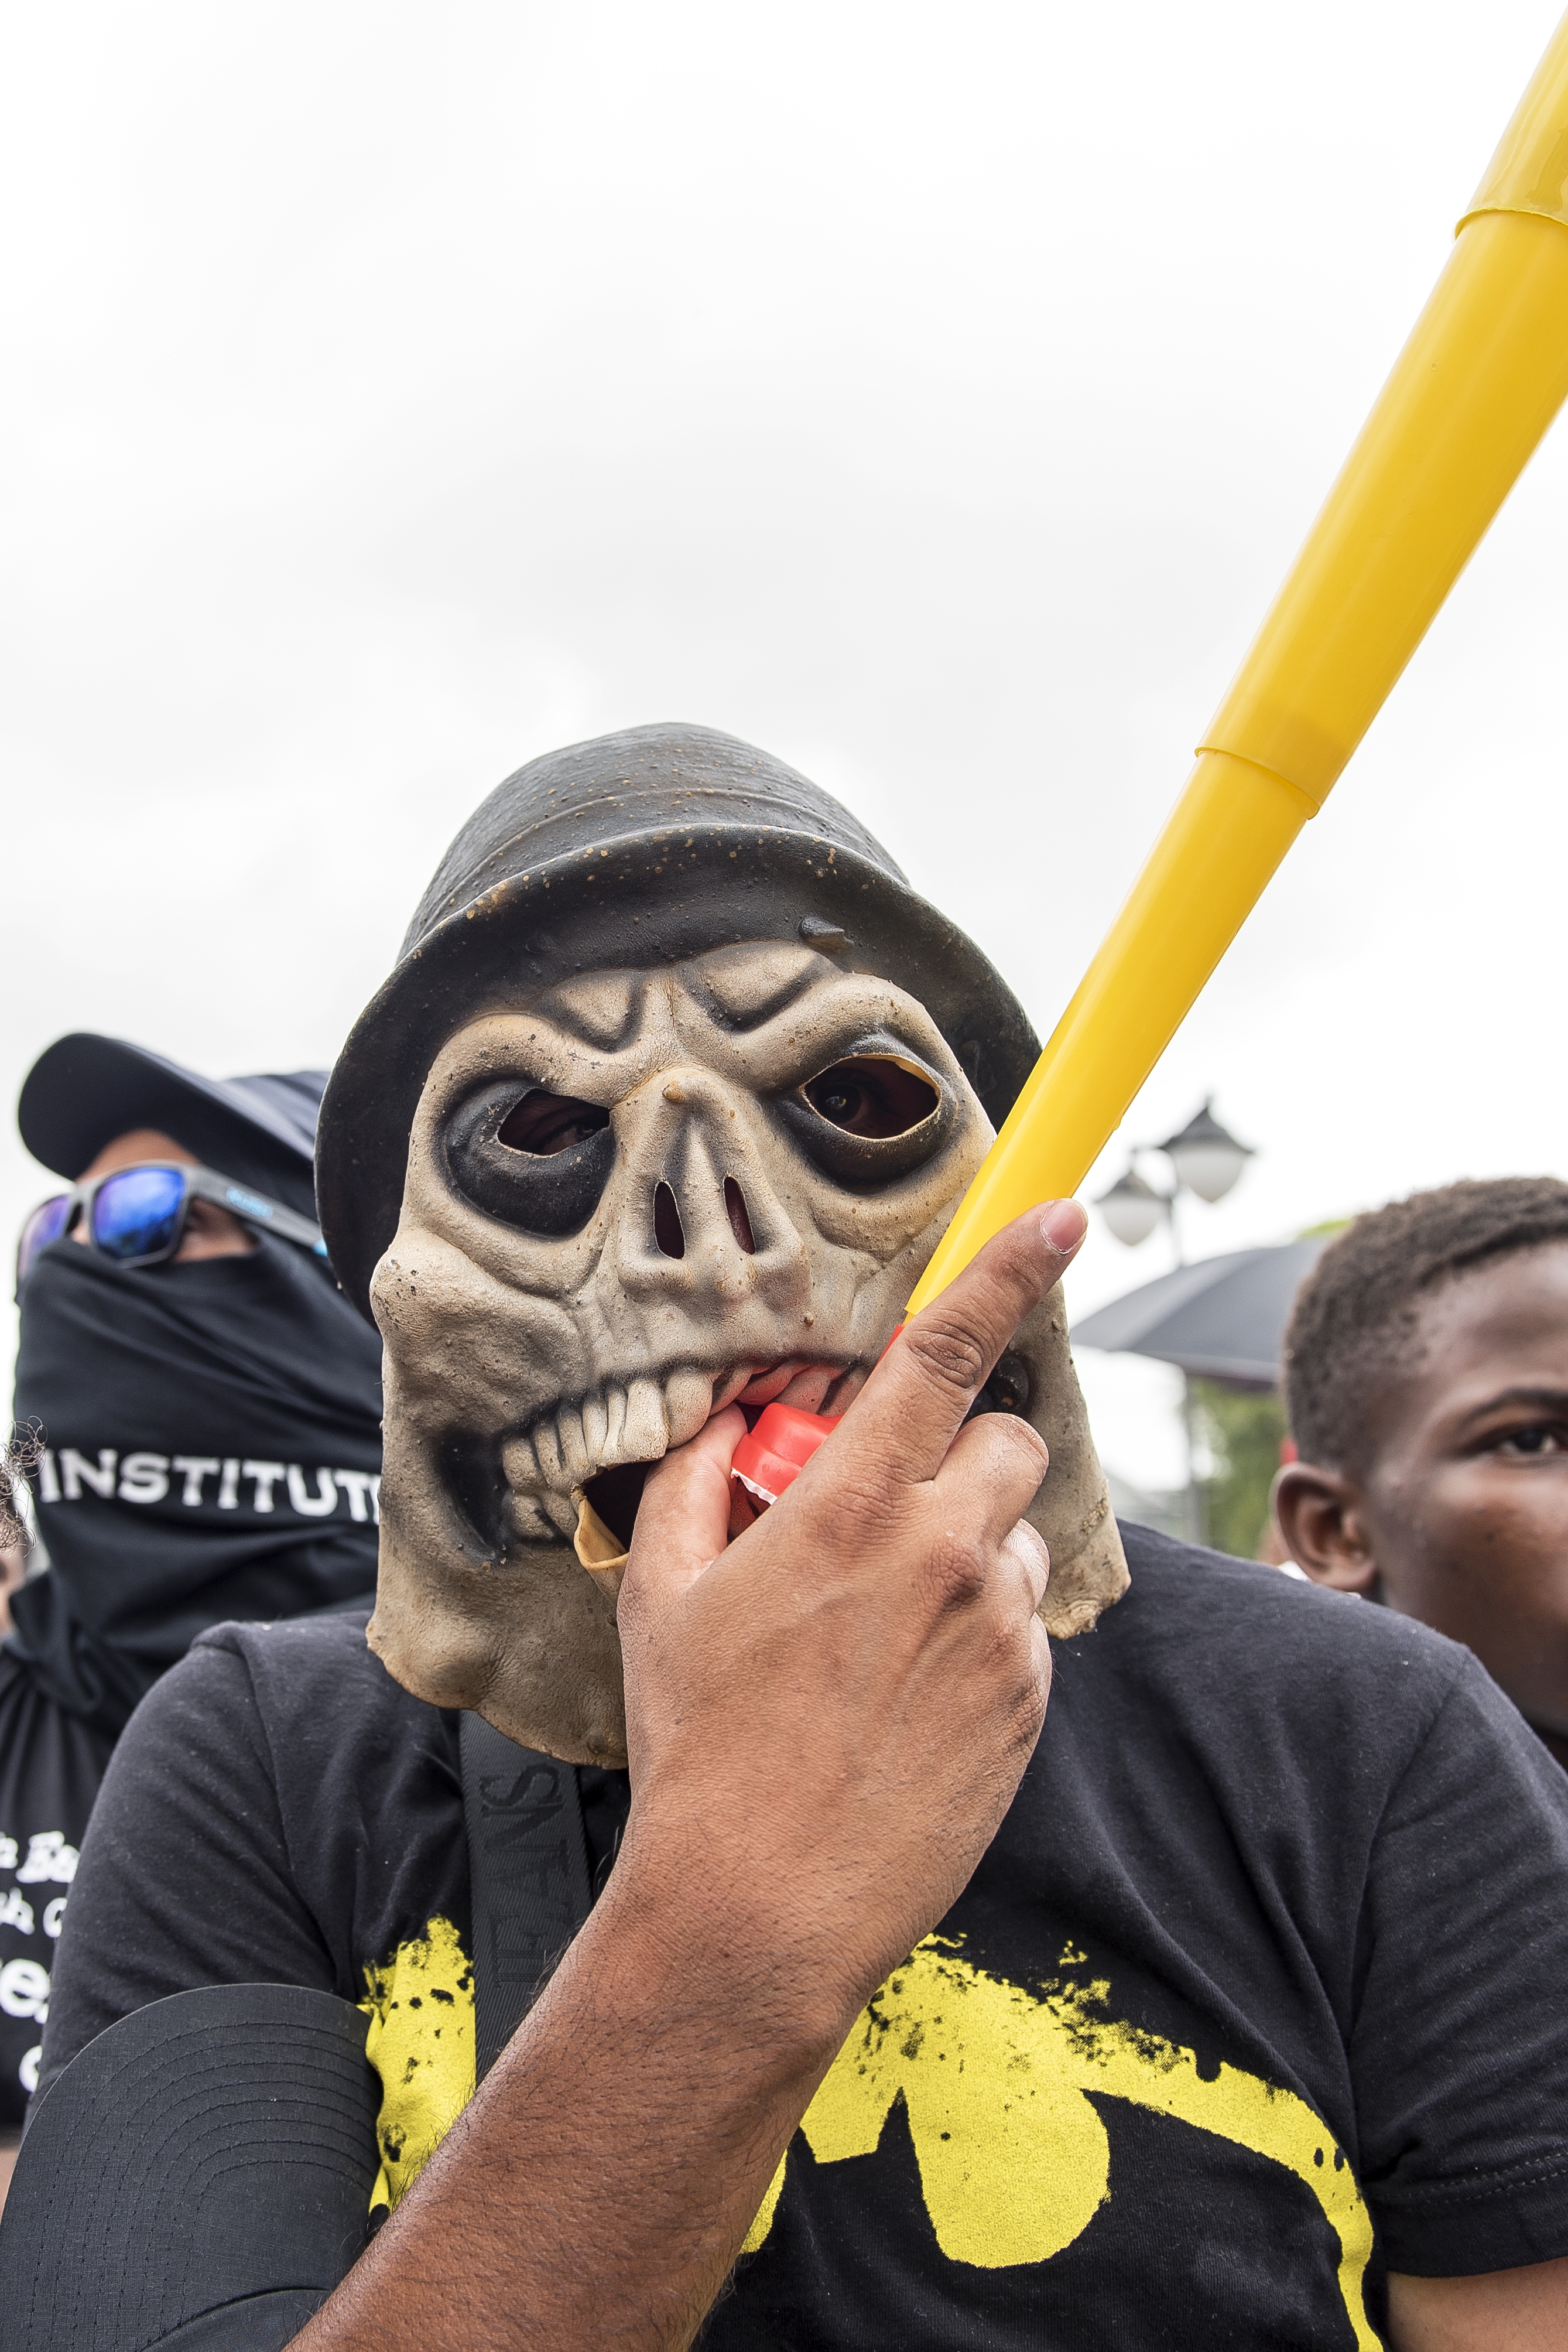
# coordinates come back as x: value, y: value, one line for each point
x: 1258, y: 1994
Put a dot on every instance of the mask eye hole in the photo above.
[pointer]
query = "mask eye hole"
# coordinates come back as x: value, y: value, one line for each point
x: 872, y: 1119
x: 868, y: 1095
x: 536, y: 1161
x: 544, y: 1124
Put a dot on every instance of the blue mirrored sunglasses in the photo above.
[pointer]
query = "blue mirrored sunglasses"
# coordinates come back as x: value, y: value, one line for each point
x: 137, y: 1215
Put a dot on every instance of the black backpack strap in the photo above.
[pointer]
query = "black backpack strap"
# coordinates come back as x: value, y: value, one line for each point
x: 528, y: 1870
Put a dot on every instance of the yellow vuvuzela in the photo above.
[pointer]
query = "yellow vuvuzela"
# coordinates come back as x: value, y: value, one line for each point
x: 1476, y: 386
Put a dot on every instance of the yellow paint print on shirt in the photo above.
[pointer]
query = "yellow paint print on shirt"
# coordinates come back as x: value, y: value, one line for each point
x: 1014, y: 2160
x: 421, y: 2044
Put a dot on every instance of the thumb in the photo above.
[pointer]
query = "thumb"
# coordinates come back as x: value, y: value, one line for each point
x: 683, y: 1519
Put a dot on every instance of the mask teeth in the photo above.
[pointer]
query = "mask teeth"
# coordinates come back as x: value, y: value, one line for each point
x: 645, y: 1433
x: 724, y: 1390
x: 595, y: 1413
x: 534, y: 1518
x: 686, y: 1403
x: 576, y: 1461
x: 637, y: 1422
x: 562, y: 1511
x: 548, y: 1468
x: 530, y: 1462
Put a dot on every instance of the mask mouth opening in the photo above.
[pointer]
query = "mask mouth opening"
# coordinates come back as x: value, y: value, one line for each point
x: 615, y: 1494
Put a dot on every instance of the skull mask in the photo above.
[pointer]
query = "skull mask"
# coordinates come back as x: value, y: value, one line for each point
x: 639, y: 1190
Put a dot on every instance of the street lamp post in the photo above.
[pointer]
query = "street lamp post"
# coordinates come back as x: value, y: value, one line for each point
x: 1206, y: 1161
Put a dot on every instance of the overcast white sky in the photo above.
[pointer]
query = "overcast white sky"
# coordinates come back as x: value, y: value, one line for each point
x: 934, y: 396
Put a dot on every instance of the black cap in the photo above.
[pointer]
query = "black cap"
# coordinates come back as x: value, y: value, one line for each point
x: 199, y: 2177
x: 639, y: 849
x: 83, y: 1090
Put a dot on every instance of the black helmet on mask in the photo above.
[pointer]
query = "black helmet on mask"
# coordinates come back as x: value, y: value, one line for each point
x: 641, y: 848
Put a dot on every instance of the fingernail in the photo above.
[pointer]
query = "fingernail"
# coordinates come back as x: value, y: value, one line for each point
x: 1064, y: 1225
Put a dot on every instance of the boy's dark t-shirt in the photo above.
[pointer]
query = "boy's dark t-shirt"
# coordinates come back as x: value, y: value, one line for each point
x: 1257, y: 1995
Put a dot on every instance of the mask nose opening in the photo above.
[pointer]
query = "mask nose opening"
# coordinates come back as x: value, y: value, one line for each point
x: 739, y: 1221
x: 668, y: 1231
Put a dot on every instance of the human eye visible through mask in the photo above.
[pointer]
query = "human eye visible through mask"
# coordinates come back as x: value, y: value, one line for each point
x: 869, y: 1120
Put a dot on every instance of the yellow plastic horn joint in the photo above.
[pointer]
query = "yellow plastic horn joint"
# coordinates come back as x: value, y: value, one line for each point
x: 1529, y: 173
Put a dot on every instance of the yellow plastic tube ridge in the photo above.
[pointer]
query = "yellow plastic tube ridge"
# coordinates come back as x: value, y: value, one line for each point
x: 1481, y: 377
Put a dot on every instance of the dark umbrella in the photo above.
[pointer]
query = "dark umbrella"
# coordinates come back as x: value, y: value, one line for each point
x: 1221, y: 1320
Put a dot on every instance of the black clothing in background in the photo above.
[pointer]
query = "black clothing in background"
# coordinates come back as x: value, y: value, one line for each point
x: 211, y: 1442
x: 1275, y: 1931
x: 51, y: 1763
x: 143, y: 1384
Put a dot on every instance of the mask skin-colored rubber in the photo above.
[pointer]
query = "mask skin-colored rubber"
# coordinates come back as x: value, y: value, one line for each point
x: 1481, y: 377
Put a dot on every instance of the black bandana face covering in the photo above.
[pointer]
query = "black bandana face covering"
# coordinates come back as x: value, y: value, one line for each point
x: 211, y: 1447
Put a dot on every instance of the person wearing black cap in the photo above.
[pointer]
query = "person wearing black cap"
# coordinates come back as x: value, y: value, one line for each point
x: 1244, y: 2027
x: 203, y: 1412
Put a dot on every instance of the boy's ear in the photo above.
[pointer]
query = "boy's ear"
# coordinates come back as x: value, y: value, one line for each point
x: 1321, y: 1519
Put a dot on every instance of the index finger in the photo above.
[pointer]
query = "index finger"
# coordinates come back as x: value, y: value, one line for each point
x: 912, y: 1407
x: 682, y: 1518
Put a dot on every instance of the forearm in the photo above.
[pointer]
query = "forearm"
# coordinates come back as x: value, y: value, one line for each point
x: 827, y: 1720
x: 599, y: 2188
x: 1521, y: 2310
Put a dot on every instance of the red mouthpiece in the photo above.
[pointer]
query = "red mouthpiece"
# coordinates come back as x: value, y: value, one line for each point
x: 772, y: 1456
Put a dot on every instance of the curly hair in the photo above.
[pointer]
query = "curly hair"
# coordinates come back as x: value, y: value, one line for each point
x: 1354, y: 1320
x: 17, y: 1453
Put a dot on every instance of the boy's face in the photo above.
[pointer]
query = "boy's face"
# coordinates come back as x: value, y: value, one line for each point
x: 1461, y: 1514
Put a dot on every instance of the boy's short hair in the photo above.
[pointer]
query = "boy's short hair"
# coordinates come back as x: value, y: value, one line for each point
x: 1355, y: 1315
